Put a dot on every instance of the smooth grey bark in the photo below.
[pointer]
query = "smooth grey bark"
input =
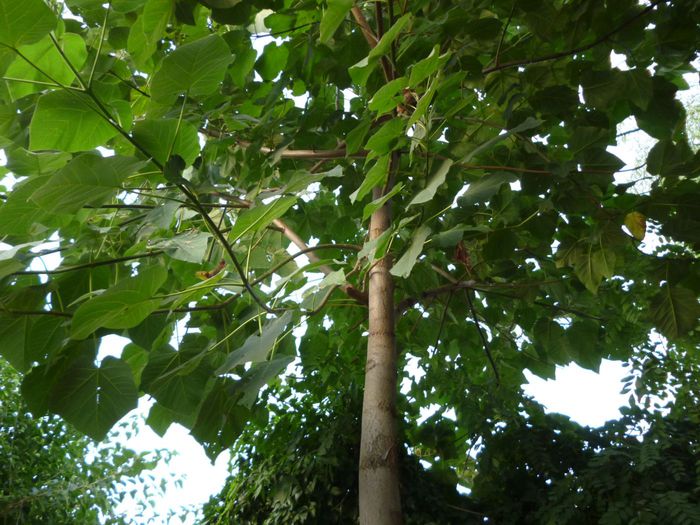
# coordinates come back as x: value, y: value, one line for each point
x: 380, y: 501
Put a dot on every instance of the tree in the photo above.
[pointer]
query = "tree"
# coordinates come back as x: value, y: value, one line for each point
x: 492, y: 242
x: 54, y: 474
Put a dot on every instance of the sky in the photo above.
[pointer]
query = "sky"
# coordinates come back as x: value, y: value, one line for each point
x: 588, y: 398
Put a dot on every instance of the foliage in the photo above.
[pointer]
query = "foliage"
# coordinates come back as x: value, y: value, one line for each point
x: 641, y: 469
x: 53, y: 474
x: 536, y: 468
x: 486, y: 127
x: 301, y: 467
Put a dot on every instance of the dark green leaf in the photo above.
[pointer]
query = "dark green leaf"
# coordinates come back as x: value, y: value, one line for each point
x: 93, y: 399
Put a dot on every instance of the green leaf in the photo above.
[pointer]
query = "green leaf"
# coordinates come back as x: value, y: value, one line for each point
x: 376, y: 175
x: 335, y: 278
x: 220, y: 419
x: 360, y: 72
x: 68, y: 121
x: 356, y: 137
x: 332, y: 18
x: 24, y: 22
x: 19, y: 215
x: 388, y: 96
x: 303, y: 179
x: 148, y: 29
x: 373, y: 206
x: 257, y: 347
x: 258, y: 376
x: 485, y: 188
x: 381, y: 142
x: 93, y: 399
x: 25, y: 163
x: 527, y: 124
x: 26, y: 340
x: 405, y: 264
x: 197, y: 69
x: 124, y: 305
x: 272, y: 61
x: 637, y: 224
x: 259, y: 217
x: 437, y: 180
x: 177, y: 378
x: 190, y: 246
x: 163, y: 138
x: 426, y: 67
x: 582, y: 339
x: 549, y: 340
x: 88, y: 179
x: 591, y: 263
x: 675, y: 311
x: 45, y: 64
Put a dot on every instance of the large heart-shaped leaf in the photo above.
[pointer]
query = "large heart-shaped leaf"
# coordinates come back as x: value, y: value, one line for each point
x: 68, y: 121
x: 94, y: 398
x: 196, y: 68
x: 88, y: 179
x: 24, y: 22
x: 123, y: 306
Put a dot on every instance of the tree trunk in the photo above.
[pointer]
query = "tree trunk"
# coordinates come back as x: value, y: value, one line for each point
x: 380, y: 501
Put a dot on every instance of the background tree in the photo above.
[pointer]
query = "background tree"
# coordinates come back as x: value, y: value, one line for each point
x: 54, y: 474
x: 449, y: 163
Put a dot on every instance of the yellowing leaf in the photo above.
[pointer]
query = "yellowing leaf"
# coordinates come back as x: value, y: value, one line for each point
x: 637, y: 224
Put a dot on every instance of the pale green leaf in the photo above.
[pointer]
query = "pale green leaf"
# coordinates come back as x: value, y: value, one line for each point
x: 177, y: 378
x: 259, y: 217
x: 360, y: 72
x: 190, y: 246
x: 24, y: 22
x: 485, y: 188
x: 382, y: 140
x: 26, y: 340
x: 637, y: 224
x: 44, y: 56
x: 258, y: 376
x: 257, y: 347
x: 437, y: 180
x: 405, y: 264
x: 426, y: 67
x: 21, y: 216
x: 335, y: 278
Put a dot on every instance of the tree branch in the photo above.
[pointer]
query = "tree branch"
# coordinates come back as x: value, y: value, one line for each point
x: 93, y: 264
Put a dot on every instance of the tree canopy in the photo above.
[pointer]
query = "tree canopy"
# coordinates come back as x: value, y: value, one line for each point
x: 442, y: 165
x: 53, y: 474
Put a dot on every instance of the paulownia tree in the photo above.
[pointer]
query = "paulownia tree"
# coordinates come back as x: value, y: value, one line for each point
x: 446, y: 172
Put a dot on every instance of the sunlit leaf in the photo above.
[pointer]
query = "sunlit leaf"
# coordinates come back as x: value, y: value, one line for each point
x: 196, y: 68
x: 24, y: 22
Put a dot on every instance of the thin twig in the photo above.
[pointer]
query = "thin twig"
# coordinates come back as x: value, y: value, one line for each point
x: 484, y: 341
